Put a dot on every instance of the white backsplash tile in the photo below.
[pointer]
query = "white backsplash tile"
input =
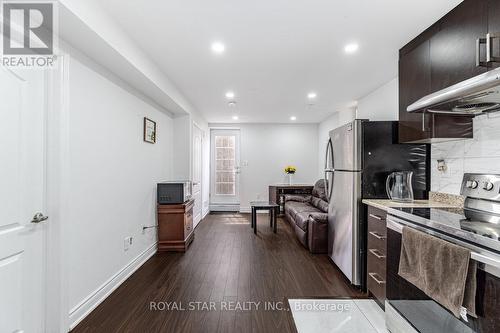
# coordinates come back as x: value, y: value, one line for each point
x: 486, y: 141
x: 478, y: 155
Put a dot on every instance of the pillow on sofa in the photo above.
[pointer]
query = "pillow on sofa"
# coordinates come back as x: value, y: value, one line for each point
x: 298, y: 198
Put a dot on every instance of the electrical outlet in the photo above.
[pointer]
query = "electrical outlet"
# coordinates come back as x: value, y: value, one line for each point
x: 127, y: 242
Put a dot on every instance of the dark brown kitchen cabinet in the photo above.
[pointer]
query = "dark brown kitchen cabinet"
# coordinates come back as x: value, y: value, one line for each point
x: 377, y: 253
x: 414, y: 83
x: 494, y: 27
x: 441, y: 56
x: 453, y: 47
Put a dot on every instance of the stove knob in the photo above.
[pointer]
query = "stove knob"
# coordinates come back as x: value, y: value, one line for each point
x: 488, y: 186
x: 474, y: 184
x: 468, y: 184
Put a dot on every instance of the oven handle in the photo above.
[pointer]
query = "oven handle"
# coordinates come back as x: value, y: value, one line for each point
x: 491, y: 264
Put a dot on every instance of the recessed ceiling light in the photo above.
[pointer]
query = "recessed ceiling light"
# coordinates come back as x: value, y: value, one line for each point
x: 351, y: 48
x: 293, y: 118
x: 312, y: 95
x: 235, y: 117
x: 218, y: 47
x: 232, y: 104
x: 230, y: 95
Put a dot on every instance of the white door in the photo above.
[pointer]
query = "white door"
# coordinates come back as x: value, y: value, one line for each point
x: 197, y: 174
x: 225, y: 169
x: 22, y: 186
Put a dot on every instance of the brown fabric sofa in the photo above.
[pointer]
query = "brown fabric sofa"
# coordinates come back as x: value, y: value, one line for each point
x: 308, y: 216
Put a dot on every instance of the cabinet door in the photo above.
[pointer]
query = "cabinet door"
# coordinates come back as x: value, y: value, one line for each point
x: 453, y: 48
x: 414, y: 83
x: 494, y: 27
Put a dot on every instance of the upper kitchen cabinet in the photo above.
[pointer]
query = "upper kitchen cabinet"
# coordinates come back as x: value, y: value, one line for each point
x: 494, y: 29
x: 443, y: 55
x: 414, y: 82
x: 453, y: 47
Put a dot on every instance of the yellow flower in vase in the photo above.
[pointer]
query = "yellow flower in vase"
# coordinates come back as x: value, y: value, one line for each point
x: 290, y: 170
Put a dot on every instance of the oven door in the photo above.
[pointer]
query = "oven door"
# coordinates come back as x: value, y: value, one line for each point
x: 408, y: 305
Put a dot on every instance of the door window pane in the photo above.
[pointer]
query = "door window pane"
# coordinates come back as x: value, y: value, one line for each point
x: 225, y: 165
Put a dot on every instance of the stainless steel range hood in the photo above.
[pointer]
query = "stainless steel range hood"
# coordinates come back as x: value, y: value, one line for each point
x: 474, y: 96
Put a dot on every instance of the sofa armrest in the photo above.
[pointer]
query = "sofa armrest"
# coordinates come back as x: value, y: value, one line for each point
x: 317, y: 235
x: 318, y: 217
x: 297, y: 197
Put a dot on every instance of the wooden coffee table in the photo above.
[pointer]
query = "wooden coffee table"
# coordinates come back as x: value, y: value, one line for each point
x: 271, y: 207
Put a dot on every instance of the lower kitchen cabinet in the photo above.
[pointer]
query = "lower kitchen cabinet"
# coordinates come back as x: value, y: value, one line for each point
x: 377, y: 253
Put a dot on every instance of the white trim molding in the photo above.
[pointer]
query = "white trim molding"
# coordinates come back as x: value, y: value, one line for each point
x: 85, y: 307
x: 224, y: 208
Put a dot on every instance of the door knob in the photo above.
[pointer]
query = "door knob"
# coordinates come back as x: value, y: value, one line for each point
x: 39, y: 217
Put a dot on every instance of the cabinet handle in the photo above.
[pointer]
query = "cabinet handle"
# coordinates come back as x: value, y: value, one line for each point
x: 480, y: 41
x: 376, y: 235
x: 376, y: 253
x: 374, y: 277
x: 377, y: 217
x: 489, y: 47
x: 425, y: 128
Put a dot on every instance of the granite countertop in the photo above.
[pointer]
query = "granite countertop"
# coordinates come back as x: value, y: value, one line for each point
x: 386, y: 204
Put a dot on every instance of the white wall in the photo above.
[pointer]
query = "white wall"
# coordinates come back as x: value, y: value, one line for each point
x: 182, y: 148
x: 335, y: 120
x: 268, y: 148
x: 381, y: 104
x: 478, y: 155
x: 113, y: 176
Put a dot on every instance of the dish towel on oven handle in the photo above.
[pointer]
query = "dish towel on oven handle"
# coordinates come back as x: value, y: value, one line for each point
x: 442, y: 270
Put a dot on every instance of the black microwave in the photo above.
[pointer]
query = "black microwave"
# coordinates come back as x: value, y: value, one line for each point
x: 173, y: 192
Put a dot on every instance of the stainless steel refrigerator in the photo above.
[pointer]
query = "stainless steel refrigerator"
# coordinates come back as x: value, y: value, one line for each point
x: 359, y: 157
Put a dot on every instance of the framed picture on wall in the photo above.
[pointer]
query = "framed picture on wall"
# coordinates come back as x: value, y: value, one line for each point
x: 149, y: 130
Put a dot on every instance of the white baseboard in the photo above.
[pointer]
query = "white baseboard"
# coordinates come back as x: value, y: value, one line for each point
x: 205, y: 213
x: 85, y: 307
x: 224, y: 208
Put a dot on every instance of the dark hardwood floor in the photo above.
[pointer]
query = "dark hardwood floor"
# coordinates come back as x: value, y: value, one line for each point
x: 225, y: 263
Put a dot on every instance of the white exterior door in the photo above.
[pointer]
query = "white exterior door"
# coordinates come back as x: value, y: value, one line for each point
x: 197, y: 174
x: 22, y: 187
x: 225, y: 169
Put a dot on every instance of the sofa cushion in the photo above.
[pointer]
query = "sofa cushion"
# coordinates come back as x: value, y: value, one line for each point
x: 320, y: 204
x: 294, y: 207
x: 302, y: 219
x: 296, y: 197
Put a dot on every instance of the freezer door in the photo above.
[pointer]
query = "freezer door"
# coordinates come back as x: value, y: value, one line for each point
x: 347, y: 146
x: 343, y: 223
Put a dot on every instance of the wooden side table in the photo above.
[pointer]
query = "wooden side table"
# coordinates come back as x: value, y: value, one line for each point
x: 277, y: 193
x: 264, y: 205
x: 175, y: 226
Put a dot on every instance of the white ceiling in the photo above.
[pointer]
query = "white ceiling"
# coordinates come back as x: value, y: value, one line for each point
x: 276, y: 50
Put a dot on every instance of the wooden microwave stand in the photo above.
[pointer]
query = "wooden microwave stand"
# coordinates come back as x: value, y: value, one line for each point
x: 175, y: 226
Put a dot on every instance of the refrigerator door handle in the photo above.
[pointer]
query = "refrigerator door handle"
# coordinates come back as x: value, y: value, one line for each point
x: 329, y: 150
